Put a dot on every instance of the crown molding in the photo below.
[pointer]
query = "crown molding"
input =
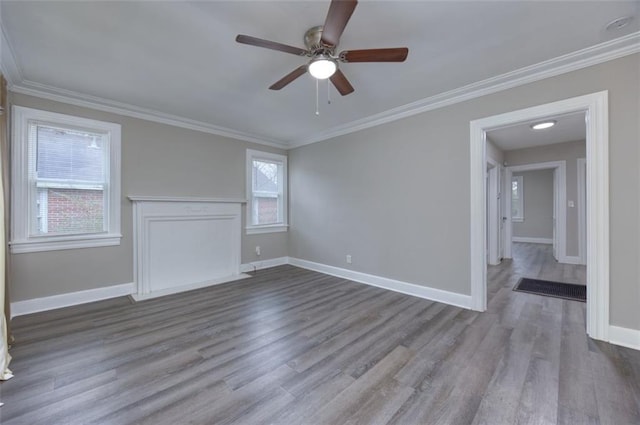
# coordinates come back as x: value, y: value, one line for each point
x: 603, y: 52
x: 8, y: 64
x: 32, y: 88
x: 599, y: 53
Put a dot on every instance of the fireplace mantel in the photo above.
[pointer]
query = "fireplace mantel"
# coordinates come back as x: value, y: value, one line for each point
x: 184, y: 243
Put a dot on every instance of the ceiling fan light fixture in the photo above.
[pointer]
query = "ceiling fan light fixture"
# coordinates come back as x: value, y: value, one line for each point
x: 322, y: 67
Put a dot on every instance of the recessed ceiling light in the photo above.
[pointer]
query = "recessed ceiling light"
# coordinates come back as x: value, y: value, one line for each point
x: 543, y: 125
x: 619, y: 23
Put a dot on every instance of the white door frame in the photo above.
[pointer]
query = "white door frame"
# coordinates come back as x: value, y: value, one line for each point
x: 493, y: 230
x: 596, y: 111
x: 582, y: 206
x: 559, y: 190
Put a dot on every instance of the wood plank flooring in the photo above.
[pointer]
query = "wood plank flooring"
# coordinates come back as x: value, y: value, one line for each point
x: 291, y: 346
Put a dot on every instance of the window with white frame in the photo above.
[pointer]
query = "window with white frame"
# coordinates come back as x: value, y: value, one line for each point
x: 266, y: 192
x: 66, y: 182
x: 517, y: 199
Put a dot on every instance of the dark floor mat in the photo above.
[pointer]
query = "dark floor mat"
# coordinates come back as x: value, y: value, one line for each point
x: 568, y: 291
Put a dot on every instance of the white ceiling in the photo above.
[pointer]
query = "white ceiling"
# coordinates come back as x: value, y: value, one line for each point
x: 568, y: 128
x: 180, y: 58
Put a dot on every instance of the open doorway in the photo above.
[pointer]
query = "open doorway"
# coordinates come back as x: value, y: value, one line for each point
x: 539, y: 196
x: 594, y: 109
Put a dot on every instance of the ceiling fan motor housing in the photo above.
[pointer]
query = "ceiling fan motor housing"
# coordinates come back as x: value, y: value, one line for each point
x: 313, y: 41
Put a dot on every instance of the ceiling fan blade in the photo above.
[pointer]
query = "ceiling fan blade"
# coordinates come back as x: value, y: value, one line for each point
x: 339, y: 13
x: 342, y: 84
x: 289, y: 78
x: 375, y: 55
x: 253, y: 41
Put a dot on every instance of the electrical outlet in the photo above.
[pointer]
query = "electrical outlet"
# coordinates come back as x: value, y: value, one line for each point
x: 348, y: 258
x: 258, y: 250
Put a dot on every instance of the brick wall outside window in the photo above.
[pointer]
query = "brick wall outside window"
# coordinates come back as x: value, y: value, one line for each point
x: 75, y: 211
x: 267, y: 209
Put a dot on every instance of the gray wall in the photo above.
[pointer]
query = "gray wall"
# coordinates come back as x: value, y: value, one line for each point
x: 157, y: 159
x: 494, y: 152
x: 396, y: 196
x: 569, y: 152
x: 538, y: 205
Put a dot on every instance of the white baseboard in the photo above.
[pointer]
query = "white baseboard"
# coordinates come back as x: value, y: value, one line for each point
x: 526, y: 239
x: 568, y: 259
x: 624, y: 337
x: 190, y: 287
x: 20, y: 308
x: 263, y: 264
x: 452, y: 298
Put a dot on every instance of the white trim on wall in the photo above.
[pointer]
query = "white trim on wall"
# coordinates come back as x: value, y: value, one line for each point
x: 597, y: 142
x: 618, y: 335
x: 525, y: 239
x: 137, y: 297
x: 493, y: 221
x: 451, y: 298
x: 8, y: 64
x: 263, y: 264
x: 571, y: 259
x: 593, y: 55
x: 625, y: 337
x: 35, y: 305
x: 43, y: 91
x: 582, y: 216
x: 140, y: 198
x: 603, y: 52
x: 53, y: 302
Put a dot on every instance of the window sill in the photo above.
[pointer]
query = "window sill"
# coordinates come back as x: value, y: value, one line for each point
x: 64, y: 242
x: 517, y: 219
x: 272, y: 228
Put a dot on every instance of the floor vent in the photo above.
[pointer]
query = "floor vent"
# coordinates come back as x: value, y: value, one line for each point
x: 568, y: 291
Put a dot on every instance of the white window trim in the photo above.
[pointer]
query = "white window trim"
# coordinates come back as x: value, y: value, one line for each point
x: 520, y: 218
x: 266, y: 228
x: 21, y: 241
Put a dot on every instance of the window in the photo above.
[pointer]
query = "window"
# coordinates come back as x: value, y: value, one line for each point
x: 267, y: 192
x: 66, y: 182
x: 517, y: 199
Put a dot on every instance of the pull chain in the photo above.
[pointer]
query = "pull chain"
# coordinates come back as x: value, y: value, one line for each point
x: 328, y: 92
x: 317, y: 106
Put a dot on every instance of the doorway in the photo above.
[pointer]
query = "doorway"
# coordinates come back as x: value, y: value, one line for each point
x: 595, y: 108
x: 559, y: 211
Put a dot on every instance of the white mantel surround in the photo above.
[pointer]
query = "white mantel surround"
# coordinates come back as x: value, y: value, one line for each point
x: 183, y: 243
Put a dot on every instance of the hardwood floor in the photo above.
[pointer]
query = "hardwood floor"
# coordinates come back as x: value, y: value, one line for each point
x: 291, y: 346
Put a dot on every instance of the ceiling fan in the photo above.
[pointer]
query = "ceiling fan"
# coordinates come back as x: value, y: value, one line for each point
x: 321, y: 43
